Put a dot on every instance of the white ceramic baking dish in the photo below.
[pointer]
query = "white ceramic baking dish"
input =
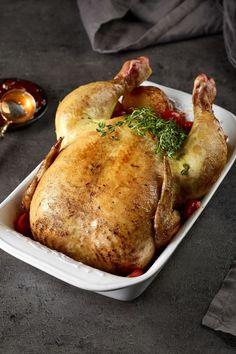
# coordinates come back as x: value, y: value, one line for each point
x: 88, y: 278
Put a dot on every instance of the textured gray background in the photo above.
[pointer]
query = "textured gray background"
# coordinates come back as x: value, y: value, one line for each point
x: 44, y: 41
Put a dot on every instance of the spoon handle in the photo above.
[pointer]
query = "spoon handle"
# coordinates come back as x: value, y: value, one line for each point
x: 4, y: 127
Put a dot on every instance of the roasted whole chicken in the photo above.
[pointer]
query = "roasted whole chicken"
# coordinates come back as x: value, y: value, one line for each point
x: 110, y: 200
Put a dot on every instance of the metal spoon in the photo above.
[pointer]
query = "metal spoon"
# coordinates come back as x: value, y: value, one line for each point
x: 16, y: 106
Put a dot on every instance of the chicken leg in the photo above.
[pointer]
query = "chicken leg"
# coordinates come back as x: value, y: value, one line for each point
x: 204, y: 153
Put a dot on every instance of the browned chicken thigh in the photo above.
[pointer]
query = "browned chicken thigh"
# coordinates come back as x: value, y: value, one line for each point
x: 109, y: 201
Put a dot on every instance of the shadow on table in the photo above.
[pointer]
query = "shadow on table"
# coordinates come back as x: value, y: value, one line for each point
x: 229, y: 339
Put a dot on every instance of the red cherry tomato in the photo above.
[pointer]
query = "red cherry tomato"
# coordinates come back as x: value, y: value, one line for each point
x: 22, y: 224
x: 190, y: 207
x: 178, y: 117
x: 171, y: 115
x: 188, y: 125
x: 136, y: 273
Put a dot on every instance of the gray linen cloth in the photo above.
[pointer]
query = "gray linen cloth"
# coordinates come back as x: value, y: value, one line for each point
x: 221, y: 315
x: 229, y: 28
x: 116, y: 25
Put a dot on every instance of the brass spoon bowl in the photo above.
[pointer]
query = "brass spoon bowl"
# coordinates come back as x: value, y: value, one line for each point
x: 16, y: 106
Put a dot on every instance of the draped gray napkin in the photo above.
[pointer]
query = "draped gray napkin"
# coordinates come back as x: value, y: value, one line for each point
x: 229, y: 28
x: 221, y: 315
x: 116, y: 25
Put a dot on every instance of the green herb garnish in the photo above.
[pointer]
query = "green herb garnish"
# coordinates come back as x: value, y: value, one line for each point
x: 144, y: 120
x: 101, y: 128
x: 185, y: 169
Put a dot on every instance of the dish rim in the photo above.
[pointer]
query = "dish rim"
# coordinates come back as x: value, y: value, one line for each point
x: 116, y: 282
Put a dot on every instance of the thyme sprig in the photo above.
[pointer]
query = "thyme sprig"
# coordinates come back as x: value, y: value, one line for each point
x: 144, y: 120
x: 185, y: 169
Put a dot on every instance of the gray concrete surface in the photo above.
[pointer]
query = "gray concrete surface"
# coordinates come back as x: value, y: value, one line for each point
x: 44, y: 41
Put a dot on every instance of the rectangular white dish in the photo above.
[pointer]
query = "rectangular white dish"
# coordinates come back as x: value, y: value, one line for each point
x: 88, y: 278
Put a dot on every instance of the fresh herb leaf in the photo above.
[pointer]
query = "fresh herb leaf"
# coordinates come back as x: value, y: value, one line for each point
x: 185, y: 169
x: 101, y: 128
x: 169, y: 134
x: 119, y: 123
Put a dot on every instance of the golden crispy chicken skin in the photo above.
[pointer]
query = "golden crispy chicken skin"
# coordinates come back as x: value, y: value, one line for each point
x: 147, y: 96
x: 109, y: 201
x: 205, y: 149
